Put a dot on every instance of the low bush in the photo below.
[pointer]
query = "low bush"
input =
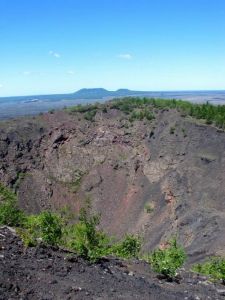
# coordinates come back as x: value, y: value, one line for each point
x: 141, y: 115
x: 47, y: 226
x: 149, y: 208
x: 86, y: 239
x: 167, y: 261
x: 10, y: 214
x: 129, y: 247
x: 215, y: 268
x: 90, y: 115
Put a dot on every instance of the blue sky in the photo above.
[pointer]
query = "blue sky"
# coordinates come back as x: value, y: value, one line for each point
x: 59, y: 46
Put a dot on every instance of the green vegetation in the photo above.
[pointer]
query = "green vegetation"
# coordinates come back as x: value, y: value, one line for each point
x: 54, y: 229
x: 90, y: 115
x: 149, y: 208
x: 215, y: 268
x: 141, y: 115
x: 210, y: 113
x: 84, y: 237
x: 6, y: 194
x: 144, y: 108
x: 47, y: 227
x: 89, y: 110
x: 82, y: 108
x: 167, y: 261
x: 9, y: 212
x: 129, y: 247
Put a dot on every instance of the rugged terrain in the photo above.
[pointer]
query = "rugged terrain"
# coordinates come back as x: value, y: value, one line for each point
x: 46, y: 273
x: 157, y: 178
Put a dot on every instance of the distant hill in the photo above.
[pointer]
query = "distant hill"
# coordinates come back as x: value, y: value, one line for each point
x: 99, y: 93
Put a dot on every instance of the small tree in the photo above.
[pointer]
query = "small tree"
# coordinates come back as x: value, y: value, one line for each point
x: 167, y: 261
x: 129, y: 247
x: 84, y: 237
x: 10, y: 214
x: 46, y: 226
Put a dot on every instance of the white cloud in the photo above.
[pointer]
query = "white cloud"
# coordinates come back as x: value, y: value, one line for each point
x: 27, y: 73
x: 55, y: 54
x: 32, y: 73
x: 1, y: 85
x: 125, y: 56
x: 70, y: 72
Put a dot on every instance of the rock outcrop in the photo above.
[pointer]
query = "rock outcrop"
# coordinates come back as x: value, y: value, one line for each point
x: 60, y: 159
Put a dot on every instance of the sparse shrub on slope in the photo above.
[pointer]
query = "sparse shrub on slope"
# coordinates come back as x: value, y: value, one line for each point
x: 10, y: 214
x: 47, y: 226
x: 215, y: 268
x: 86, y: 239
x: 89, y: 115
x: 129, y: 247
x: 167, y: 261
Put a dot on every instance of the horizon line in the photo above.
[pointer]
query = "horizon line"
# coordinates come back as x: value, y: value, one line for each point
x: 131, y: 90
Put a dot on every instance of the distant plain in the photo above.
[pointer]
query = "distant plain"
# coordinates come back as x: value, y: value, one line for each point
x: 11, y: 107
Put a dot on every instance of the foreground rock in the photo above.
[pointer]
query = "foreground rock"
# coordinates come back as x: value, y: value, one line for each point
x: 45, y: 273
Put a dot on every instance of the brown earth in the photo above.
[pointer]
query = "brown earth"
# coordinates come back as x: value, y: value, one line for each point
x: 174, y: 165
x: 46, y: 273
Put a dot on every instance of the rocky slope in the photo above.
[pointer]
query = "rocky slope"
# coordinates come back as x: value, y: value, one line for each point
x: 45, y: 273
x: 157, y: 178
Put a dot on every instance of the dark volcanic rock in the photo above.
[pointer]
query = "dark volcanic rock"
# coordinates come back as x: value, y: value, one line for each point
x: 45, y: 273
x: 122, y: 168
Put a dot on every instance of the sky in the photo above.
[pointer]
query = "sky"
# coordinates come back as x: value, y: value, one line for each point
x: 60, y: 46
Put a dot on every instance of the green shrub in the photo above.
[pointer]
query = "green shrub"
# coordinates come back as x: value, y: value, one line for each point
x: 6, y: 194
x: 141, y: 114
x: 10, y: 214
x: 129, y: 247
x: 46, y: 226
x: 167, y: 261
x: 84, y: 237
x: 82, y: 108
x: 210, y: 113
x: 215, y: 268
x: 89, y: 115
x: 149, y: 208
